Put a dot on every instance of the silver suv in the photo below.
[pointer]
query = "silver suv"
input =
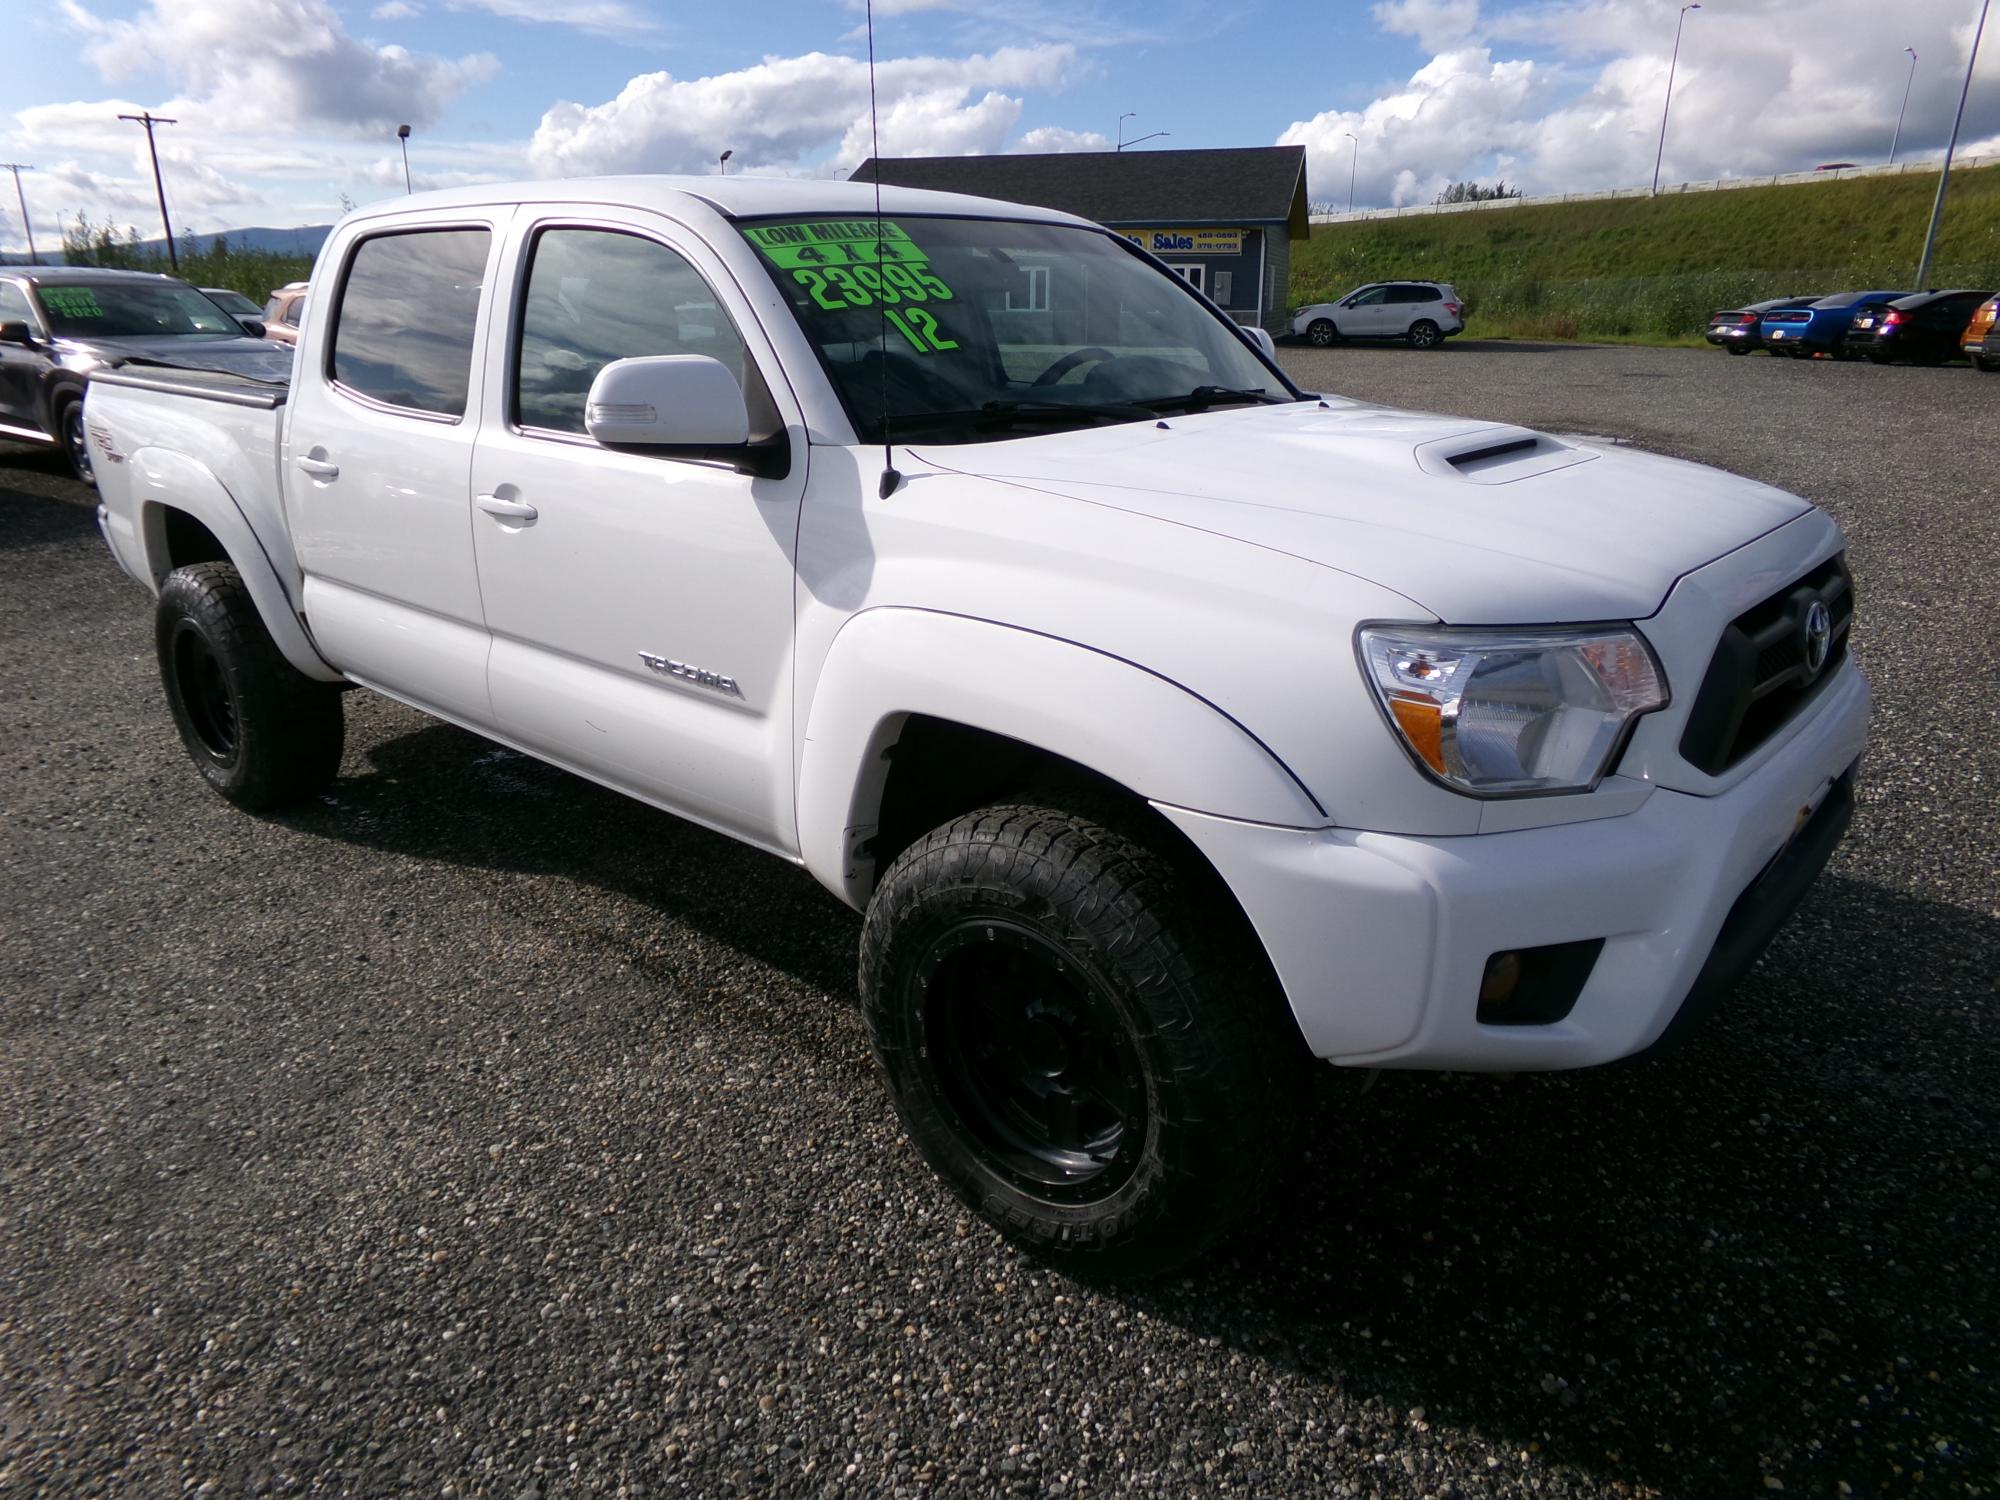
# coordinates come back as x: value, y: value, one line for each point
x: 1425, y: 313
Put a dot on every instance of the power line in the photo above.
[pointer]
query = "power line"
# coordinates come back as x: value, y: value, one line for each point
x: 149, y: 120
x: 17, y: 168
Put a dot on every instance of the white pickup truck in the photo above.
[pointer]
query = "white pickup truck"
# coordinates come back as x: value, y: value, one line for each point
x: 1172, y: 727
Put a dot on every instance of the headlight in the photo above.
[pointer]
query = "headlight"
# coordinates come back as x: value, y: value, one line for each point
x: 1499, y: 713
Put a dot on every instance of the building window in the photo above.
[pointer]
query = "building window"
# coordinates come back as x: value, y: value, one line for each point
x: 1033, y: 295
x: 1192, y: 272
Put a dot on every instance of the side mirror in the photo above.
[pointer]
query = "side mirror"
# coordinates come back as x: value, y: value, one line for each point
x: 17, y: 333
x: 686, y: 405
x: 253, y: 326
x: 1262, y: 339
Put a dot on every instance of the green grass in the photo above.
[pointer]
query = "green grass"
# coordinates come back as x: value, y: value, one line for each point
x: 1653, y: 269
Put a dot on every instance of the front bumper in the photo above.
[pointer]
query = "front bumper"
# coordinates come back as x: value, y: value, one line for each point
x: 1381, y: 940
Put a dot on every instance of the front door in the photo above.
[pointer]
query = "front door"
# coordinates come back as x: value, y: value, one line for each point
x: 20, y: 366
x: 379, y: 462
x: 1368, y: 315
x: 640, y: 605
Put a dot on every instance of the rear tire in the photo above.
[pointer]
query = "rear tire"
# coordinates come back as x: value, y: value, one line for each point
x: 1424, y: 334
x: 260, y: 731
x: 1984, y: 365
x: 1734, y: 349
x: 1077, y: 1045
x: 1321, y: 333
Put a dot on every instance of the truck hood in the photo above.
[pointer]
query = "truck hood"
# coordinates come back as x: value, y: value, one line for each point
x: 1479, y: 523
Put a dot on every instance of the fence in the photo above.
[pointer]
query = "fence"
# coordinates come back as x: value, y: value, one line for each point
x: 1722, y: 184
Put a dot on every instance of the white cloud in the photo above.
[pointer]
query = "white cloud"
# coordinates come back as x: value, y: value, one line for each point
x: 607, y: 18
x: 1753, y: 95
x: 274, y: 65
x: 787, y: 113
x: 1056, y: 138
x: 395, y: 10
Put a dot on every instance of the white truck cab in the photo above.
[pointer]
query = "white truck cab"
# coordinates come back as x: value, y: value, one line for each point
x: 1172, y: 726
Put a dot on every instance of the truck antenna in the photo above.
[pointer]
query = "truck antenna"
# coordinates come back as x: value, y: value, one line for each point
x: 890, y: 478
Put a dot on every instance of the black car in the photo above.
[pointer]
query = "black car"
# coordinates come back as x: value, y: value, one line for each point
x: 1923, y: 329
x: 58, y: 323
x: 1736, y: 328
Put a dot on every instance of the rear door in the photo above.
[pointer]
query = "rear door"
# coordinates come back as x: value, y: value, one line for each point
x: 640, y: 605
x: 379, y: 460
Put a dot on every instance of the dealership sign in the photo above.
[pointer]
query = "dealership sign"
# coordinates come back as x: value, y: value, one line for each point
x: 1187, y: 241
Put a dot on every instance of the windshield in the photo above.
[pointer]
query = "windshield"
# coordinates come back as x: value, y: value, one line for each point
x: 132, y: 309
x: 964, y: 330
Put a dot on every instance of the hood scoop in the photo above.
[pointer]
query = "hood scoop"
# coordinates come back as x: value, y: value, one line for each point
x: 1498, y: 455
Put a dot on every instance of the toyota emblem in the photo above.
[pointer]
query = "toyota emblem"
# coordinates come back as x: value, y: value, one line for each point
x: 1819, y: 637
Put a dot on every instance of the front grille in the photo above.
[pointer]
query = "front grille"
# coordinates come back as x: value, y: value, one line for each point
x: 1761, y: 673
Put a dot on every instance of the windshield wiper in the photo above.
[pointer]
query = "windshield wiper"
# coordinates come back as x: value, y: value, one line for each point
x: 1015, y: 413
x: 1202, y: 397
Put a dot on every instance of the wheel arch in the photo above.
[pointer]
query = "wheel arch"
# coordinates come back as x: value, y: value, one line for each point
x: 921, y: 715
x: 186, y: 515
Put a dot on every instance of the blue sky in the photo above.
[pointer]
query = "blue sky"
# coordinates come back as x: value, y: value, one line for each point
x: 287, y: 105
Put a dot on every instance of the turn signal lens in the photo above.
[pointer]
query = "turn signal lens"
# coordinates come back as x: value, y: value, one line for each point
x: 1498, y: 713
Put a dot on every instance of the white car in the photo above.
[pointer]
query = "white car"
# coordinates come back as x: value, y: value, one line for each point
x: 1422, y: 313
x: 1171, y: 726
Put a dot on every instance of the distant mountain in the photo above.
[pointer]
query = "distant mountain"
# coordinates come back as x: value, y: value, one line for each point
x: 304, y: 240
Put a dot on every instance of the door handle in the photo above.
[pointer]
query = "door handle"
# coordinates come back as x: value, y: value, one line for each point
x: 507, y: 510
x: 319, y: 468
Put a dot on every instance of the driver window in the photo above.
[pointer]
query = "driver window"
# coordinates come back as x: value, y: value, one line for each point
x: 1370, y: 297
x: 14, y: 305
x: 595, y: 295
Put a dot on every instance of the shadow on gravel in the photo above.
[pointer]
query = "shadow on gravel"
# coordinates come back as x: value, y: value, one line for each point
x: 1764, y: 1255
x: 40, y: 503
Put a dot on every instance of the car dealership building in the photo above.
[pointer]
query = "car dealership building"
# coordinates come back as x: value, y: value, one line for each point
x: 1225, y: 219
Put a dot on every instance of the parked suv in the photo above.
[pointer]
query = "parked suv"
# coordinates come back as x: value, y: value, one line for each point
x: 60, y: 323
x: 1426, y: 313
x: 283, y: 311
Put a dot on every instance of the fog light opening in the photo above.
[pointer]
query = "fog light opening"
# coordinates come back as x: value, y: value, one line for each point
x: 1535, y: 986
x: 1501, y: 979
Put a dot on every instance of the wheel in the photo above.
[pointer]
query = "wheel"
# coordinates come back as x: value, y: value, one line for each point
x: 1321, y: 333
x: 1878, y: 359
x: 1986, y: 365
x: 260, y: 731
x: 1085, y: 1054
x: 1424, y: 334
x: 75, y: 441
x: 1734, y: 349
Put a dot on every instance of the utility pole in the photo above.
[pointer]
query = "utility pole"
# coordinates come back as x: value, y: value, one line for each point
x: 17, y: 168
x: 1353, y: 166
x: 1898, y: 139
x: 149, y: 120
x: 1944, y: 174
x: 1672, y: 67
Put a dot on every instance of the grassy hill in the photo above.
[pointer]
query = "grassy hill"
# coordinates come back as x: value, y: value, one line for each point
x: 1654, y: 268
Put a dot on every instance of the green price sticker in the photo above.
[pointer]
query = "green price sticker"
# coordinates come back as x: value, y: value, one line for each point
x: 845, y: 264
x: 71, y: 301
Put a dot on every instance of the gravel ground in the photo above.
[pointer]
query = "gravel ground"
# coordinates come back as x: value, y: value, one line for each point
x: 476, y: 1132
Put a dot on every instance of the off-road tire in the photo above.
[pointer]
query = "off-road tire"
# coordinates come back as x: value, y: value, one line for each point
x: 260, y: 731
x: 1217, y: 1059
x: 1424, y: 334
x: 1321, y: 333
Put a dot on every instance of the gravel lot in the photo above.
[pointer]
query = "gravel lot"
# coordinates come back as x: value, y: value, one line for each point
x: 476, y: 1132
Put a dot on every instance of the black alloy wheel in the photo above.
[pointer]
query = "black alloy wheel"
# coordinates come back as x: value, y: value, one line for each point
x: 76, y: 442
x: 1030, y: 1053
x: 201, y: 686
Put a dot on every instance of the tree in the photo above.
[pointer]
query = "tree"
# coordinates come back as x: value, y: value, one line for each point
x: 1473, y: 192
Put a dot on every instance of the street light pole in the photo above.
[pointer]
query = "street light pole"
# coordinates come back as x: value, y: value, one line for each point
x: 1130, y: 114
x: 403, y: 136
x: 1893, y: 144
x: 17, y: 168
x: 1352, y: 167
x: 722, y: 162
x: 1661, y: 155
x: 1944, y: 174
x: 149, y: 120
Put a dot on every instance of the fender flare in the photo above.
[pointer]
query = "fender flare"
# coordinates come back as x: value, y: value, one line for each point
x: 163, y: 480
x: 1139, y: 729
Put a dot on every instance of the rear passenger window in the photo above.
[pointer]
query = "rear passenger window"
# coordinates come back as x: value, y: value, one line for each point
x: 595, y: 295
x: 402, y: 331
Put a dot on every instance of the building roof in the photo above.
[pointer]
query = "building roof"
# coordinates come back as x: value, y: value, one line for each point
x: 1242, y: 185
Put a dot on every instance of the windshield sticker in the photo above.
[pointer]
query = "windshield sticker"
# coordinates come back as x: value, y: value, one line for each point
x: 844, y: 264
x: 71, y: 301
